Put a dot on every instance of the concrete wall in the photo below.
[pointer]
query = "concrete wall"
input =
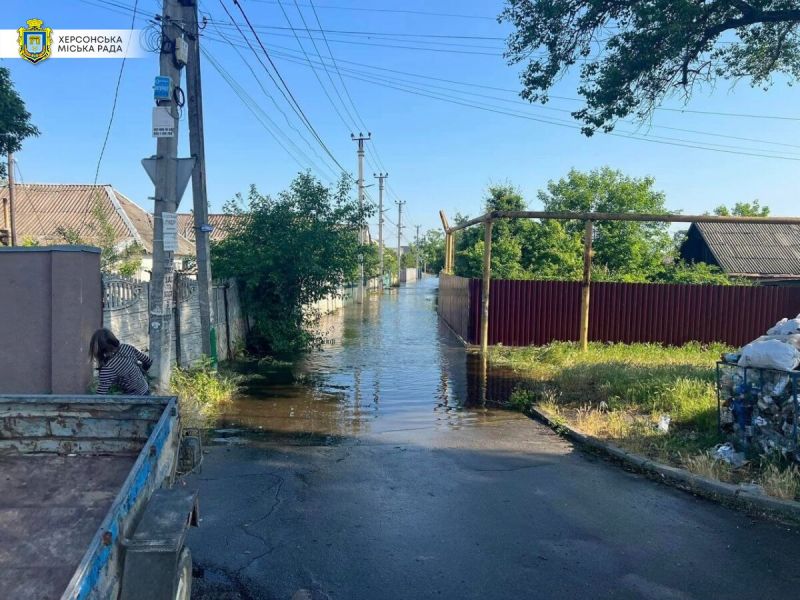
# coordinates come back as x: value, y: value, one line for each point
x: 50, y: 302
x: 129, y: 319
x: 346, y: 296
x: 408, y: 275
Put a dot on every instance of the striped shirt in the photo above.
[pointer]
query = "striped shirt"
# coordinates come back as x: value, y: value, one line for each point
x: 124, y: 370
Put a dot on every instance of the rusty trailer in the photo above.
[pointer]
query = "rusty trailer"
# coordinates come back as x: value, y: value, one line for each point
x: 87, y: 499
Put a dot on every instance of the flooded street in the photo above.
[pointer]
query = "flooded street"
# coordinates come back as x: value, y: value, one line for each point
x: 371, y: 470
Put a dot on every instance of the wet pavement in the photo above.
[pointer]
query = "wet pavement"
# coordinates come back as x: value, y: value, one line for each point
x: 371, y: 470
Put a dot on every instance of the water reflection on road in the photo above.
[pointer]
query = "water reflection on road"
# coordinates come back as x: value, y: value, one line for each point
x: 387, y: 365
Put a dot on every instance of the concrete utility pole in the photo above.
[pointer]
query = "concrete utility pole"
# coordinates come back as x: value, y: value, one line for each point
x: 381, y: 177
x: 166, y: 201
x: 361, y: 230
x: 416, y: 242
x: 194, y: 93
x: 400, y: 204
x: 12, y: 205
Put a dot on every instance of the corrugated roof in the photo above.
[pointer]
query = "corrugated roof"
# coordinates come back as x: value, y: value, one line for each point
x: 43, y: 209
x: 219, y: 221
x: 753, y: 248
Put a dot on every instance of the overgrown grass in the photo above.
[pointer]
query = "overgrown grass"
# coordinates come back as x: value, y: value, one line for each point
x: 202, y: 391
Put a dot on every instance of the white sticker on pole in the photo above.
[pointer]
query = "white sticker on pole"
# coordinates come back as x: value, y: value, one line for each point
x: 170, y: 231
x: 163, y: 122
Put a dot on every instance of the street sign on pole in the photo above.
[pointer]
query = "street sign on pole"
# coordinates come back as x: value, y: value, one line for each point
x: 184, y: 172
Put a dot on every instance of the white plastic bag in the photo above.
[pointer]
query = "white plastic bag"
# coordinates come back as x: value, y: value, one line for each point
x: 785, y: 327
x: 770, y: 354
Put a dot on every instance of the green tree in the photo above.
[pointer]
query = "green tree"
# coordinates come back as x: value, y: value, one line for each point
x: 15, y: 120
x: 633, y: 54
x: 743, y: 209
x: 287, y: 253
x: 627, y: 249
x: 431, y: 248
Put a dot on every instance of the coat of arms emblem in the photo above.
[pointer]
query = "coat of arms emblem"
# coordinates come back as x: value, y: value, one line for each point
x: 34, y: 42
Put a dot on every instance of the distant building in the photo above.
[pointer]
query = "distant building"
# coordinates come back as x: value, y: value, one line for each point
x: 765, y: 252
x: 45, y: 211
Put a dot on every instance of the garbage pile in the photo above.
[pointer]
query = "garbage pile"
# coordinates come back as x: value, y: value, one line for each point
x: 758, y: 392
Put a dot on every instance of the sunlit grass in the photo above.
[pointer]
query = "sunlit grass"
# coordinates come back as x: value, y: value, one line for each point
x: 202, y: 391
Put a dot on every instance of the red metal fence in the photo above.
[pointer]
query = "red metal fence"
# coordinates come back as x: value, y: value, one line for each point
x: 523, y: 313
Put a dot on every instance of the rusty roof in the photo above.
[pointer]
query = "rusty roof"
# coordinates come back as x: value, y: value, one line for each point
x: 753, y: 248
x: 44, y: 210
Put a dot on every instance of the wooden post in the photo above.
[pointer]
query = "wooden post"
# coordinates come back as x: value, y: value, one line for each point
x: 587, y: 276
x: 487, y: 275
x: 452, y: 248
x: 446, y: 267
x: 12, y: 204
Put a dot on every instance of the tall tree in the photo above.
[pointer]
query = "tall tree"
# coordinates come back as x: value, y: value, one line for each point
x: 15, y: 120
x: 620, y: 247
x: 633, y: 53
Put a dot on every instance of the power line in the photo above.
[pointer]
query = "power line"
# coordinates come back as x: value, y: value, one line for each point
x: 409, y: 87
x: 116, y: 96
x: 289, y: 123
x: 294, y: 104
x: 395, y: 11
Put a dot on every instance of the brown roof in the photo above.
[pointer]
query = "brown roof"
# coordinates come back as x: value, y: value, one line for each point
x: 753, y: 248
x: 42, y: 209
x: 219, y: 221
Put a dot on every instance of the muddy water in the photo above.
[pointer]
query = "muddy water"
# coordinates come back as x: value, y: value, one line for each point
x: 387, y: 365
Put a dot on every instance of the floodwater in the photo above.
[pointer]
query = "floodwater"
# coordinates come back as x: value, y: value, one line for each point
x: 387, y: 365
x: 372, y: 470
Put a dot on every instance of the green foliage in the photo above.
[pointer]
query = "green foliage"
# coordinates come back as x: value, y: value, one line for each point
x: 29, y: 242
x: 743, y: 209
x: 624, y: 251
x: 431, y: 248
x: 15, y: 124
x: 201, y: 391
x: 287, y: 253
x: 125, y: 261
x: 633, y: 54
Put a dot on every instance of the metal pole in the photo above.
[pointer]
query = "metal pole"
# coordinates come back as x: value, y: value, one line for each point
x: 166, y: 195
x: 587, y: 277
x: 199, y: 192
x: 487, y: 275
x: 12, y: 205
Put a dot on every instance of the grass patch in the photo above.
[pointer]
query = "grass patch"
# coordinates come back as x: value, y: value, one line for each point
x: 202, y: 391
x: 780, y: 482
x: 619, y: 392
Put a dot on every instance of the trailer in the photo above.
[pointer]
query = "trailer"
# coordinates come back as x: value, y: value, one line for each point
x: 91, y: 507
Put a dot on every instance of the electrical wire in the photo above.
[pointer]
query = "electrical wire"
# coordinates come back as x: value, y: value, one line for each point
x: 116, y: 97
x: 277, y: 106
x: 296, y: 105
x: 395, y: 11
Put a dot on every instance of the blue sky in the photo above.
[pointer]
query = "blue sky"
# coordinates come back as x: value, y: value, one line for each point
x: 438, y: 154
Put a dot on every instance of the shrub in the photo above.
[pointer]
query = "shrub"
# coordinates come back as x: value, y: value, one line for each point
x: 201, y: 391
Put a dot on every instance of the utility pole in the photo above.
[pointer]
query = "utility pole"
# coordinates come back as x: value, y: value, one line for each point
x: 166, y: 201
x: 416, y: 243
x: 400, y: 204
x: 194, y: 93
x: 381, y: 178
x: 361, y: 233
x: 12, y: 208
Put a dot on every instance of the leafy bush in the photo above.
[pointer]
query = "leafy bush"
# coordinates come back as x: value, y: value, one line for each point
x: 201, y: 392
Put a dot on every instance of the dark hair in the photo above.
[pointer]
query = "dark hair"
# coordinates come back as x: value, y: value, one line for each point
x: 103, y: 346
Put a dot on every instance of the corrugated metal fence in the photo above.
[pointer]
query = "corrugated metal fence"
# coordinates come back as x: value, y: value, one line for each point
x: 526, y: 313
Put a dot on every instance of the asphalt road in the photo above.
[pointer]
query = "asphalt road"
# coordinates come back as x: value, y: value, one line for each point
x: 336, y: 488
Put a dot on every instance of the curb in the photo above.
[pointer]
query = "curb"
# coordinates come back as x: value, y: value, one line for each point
x: 724, y: 493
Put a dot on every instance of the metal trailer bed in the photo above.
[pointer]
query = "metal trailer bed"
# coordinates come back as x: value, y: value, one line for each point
x: 82, y: 480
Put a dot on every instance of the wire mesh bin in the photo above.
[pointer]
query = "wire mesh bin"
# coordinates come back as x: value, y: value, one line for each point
x: 758, y: 409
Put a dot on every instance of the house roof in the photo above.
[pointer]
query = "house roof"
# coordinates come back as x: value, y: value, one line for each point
x: 43, y: 209
x: 219, y: 221
x: 753, y: 248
